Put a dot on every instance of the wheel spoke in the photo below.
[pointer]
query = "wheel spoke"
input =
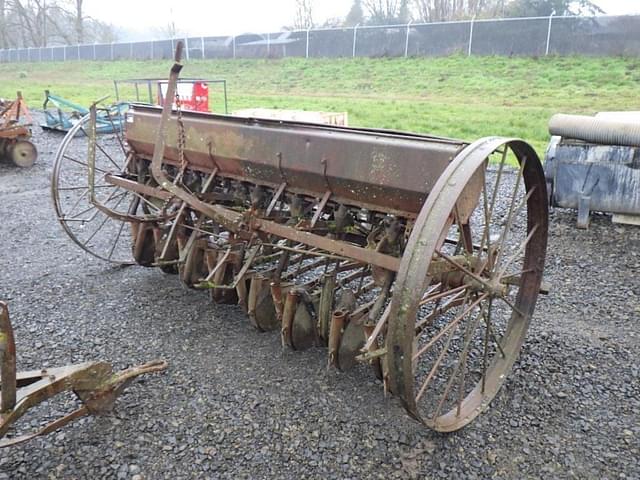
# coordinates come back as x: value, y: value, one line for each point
x: 79, y: 162
x: 485, y: 353
x: 440, y: 309
x: 499, y: 248
x: 72, y: 189
x: 117, y: 134
x: 486, y: 233
x: 430, y: 298
x: 436, y: 365
x: 86, y: 210
x: 510, y: 303
x: 113, y: 247
x: 492, y: 332
x: 467, y: 340
x: 77, y: 202
x: 520, y: 249
x: 453, y: 323
x: 512, y: 208
x: 106, y: 218
x: 494, y: 197
x: 113, y: 196
x: 99, y: 147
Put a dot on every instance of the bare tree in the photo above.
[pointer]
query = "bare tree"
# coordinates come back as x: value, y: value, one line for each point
x: 304, y: 14
x: 543, y: 8
x: 24, y: 18
x: 3, y: 25
x: 79, y: 22
x: 444, y: 10
x: 38, y: 23
x: 382, y: 12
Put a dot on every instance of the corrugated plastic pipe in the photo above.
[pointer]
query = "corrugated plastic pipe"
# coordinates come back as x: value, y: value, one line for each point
x: 596, y: 130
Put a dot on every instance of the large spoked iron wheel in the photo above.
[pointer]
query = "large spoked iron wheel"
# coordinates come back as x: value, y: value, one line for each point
x: 454, y: 332
x: 97, y: 233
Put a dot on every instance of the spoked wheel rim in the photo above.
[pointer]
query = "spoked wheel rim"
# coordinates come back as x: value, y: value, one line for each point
x: 454, y: 335
x: 94, y: 231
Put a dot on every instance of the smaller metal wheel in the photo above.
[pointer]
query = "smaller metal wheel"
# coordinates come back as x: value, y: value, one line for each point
x: 23, y: 153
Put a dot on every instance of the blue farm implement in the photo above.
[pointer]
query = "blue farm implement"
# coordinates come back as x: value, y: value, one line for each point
x: 61, y: 115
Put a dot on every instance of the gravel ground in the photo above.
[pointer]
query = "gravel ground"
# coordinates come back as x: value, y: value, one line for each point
x: 233, y: 405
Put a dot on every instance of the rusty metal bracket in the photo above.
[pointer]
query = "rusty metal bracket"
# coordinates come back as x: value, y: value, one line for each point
x: 94, y: 383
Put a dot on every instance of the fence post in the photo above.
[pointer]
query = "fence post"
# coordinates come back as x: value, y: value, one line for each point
x: 28, y: 54
x: 307, y: 50
x: 78, y: 51
x: 202, y: 46
x: 471, y: 35
x: 546, y: 53
x: 268, y: 45
x: 152, y: 49
x: 64, y: 53
x: 406, y: 43
x: 173, y: 47
x: 234, y: 46
x: 355, y: 39
x: 186, y: 47
x: 131, y: 51
x: 111, y: 51
x: 94, y: 51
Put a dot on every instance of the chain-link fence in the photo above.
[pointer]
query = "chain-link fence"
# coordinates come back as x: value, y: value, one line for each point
x: 601, y: 35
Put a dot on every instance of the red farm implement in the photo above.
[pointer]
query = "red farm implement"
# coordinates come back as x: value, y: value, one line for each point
x: 15, y: 132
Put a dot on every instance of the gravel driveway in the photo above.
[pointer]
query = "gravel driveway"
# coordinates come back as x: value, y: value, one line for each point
x: 233, y: 405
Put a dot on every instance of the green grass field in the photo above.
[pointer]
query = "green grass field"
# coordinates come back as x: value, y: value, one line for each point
x: 453, y: 96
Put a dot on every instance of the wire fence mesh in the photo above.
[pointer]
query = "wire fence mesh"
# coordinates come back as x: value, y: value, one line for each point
x: 601, y: 35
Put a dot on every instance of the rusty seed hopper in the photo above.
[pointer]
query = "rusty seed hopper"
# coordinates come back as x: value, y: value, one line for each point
x: 417, y: 255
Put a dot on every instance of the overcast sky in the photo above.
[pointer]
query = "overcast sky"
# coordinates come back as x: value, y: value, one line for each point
x: 232, y: 17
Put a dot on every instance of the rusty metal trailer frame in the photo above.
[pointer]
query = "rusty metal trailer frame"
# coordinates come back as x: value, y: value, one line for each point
x: 15, y: 132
